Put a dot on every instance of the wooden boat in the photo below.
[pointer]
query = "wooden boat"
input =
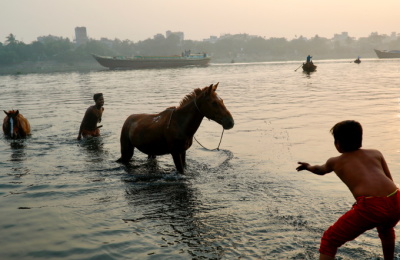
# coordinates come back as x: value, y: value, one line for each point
x: 388, y: 54
x: 358, y: 61
x: 309, y: 67
x: 142, y: 62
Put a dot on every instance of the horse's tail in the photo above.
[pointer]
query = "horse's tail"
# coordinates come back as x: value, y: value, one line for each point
x: 126, y: 144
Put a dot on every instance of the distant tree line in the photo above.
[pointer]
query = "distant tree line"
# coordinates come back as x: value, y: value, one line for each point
x: 238, y: 48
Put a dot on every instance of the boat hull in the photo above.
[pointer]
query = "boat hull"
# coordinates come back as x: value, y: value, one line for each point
x: 309, y: 67
x: 150, y: 62
x: 387, y: 54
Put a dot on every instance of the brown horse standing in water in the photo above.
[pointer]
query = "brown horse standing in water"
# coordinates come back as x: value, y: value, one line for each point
x: 172, y: 131
x: 15, y: 125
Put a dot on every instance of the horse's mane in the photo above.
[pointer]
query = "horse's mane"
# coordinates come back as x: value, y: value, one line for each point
x: 189, y: 97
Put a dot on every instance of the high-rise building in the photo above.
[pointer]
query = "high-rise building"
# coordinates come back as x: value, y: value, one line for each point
x: 81, y: 35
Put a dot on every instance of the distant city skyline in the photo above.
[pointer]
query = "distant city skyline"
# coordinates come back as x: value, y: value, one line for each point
x: 136, y: 21
x: 211, y: 38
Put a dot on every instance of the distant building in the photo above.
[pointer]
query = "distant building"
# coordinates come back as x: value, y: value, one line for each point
x: 393, y: 37
x: 43, y: 39
x: 107, y: 42
x: 341, y: 38
x: 212, y: 39
x: 181, y: 35
x: 81, y: 35
x: 158, y: 36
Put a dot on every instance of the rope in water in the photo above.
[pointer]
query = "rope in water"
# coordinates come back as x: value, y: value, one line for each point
x: 220, y: 140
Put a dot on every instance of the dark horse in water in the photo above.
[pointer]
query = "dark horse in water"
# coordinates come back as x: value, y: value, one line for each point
x: 15, y: 125
x: 172, y: 130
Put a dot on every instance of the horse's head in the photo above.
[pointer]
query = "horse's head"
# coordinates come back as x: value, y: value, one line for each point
x: 11, y: 124
x: 212, y: 107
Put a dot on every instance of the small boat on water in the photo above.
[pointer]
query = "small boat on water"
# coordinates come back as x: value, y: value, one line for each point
x: 358, y: 61
x: 142, y: 62
x: 387, y: 54
x: 309, y: 67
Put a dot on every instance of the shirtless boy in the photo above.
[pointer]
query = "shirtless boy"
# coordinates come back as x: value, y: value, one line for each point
x: 367, y: 175
x: 92, y: 117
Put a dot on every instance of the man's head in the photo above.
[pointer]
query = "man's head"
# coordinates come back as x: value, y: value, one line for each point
x: 348, y: 135
x: 97, y: 96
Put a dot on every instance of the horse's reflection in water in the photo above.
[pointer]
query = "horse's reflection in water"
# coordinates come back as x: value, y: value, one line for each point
x: 149, y: 170
x: 18, y: 150
x: 168, y: 208
x: 18, y: 156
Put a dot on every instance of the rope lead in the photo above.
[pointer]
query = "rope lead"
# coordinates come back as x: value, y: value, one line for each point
x: 220, y: 140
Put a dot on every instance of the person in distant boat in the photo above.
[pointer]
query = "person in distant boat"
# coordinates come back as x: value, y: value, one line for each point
x: 92, y: 117
x: 309, y: 59
x: 367, y: 176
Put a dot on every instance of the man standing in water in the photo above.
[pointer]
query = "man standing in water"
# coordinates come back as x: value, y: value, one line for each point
x: 92, y: 117
x: 367, y: 175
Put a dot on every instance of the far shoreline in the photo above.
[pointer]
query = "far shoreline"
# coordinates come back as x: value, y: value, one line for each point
x: 29, y: 67
x: 43, y: 67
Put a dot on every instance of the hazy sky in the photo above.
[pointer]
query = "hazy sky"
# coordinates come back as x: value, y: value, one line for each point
x: 139, y: 20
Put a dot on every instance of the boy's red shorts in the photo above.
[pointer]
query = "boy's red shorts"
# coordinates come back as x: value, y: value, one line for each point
x: 367, y: 213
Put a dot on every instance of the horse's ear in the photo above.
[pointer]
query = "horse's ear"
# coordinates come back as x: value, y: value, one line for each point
x: 5, y: 112
x: 215, y: 86
x: 17, y: 112
x: 212, y: 88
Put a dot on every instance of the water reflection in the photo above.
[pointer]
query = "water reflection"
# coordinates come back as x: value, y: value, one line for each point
x: 94, y: 148
x: 18, y: 155
x: 167, y: 203
x: 18, y: 150
x: 307, y: 74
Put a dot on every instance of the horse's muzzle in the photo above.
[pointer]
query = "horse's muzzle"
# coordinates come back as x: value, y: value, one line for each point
x: 227, y: 123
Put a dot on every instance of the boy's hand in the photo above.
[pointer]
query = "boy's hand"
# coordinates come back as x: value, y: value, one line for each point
x: 303, y: 166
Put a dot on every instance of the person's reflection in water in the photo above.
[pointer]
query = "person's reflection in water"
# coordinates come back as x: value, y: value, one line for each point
x: 94, y: 148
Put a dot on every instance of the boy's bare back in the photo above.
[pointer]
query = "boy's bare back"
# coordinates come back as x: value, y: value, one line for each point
x: 364, y: 171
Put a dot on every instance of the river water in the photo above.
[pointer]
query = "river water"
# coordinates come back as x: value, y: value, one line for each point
x: 66, y: 199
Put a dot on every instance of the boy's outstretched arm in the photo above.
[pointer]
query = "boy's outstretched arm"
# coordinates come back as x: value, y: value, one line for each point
x: 317, y: 169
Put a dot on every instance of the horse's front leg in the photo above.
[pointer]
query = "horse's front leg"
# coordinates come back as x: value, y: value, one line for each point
x: 183, y: 159
x: 179, y: 164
